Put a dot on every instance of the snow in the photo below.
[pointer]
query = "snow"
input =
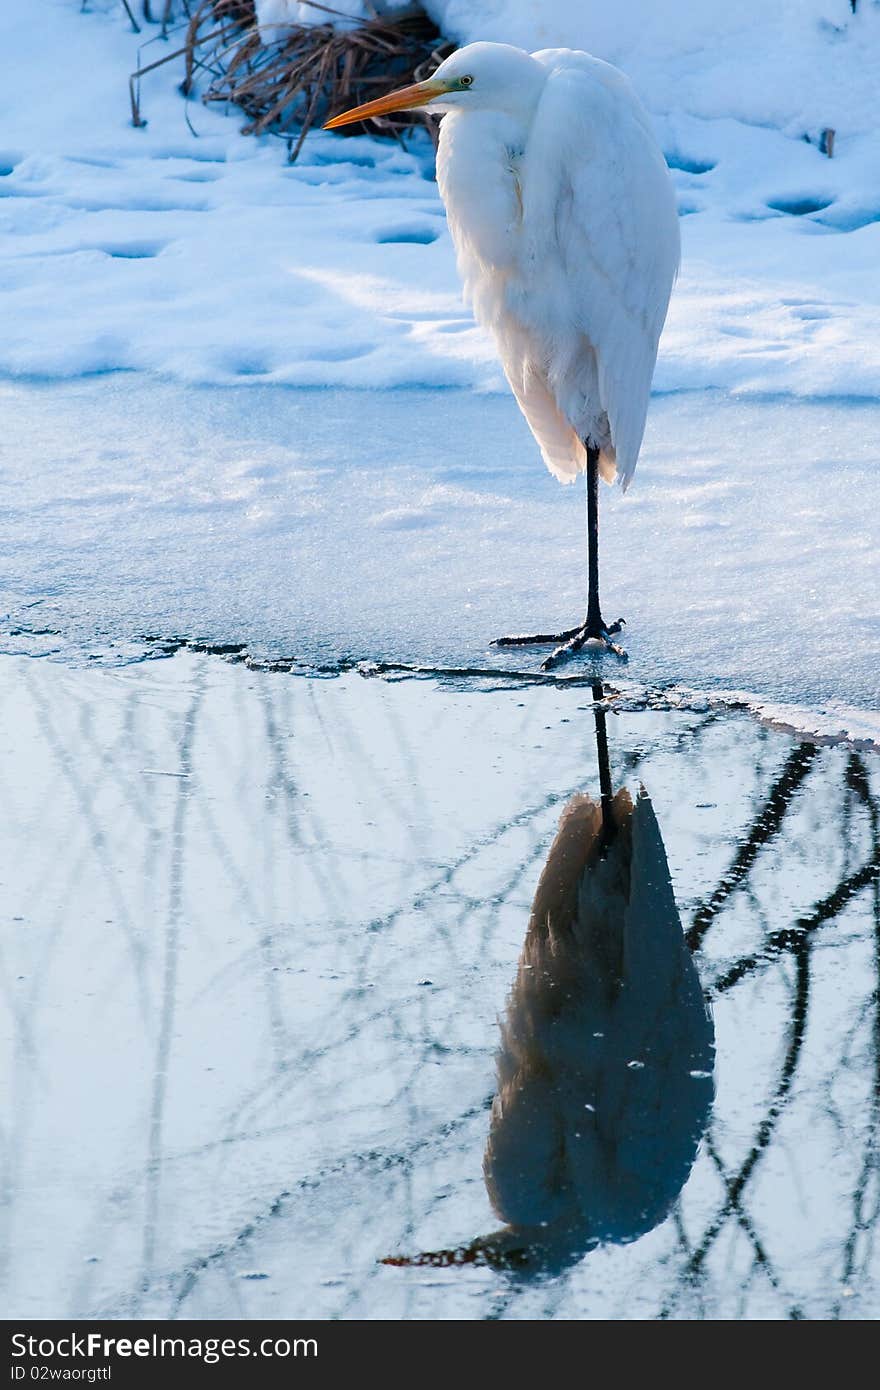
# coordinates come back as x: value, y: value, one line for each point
x: 829, y: 721
x: 752, y: 62
x: 796, y: 65
x: 276, y: 17
x: 206, y: 259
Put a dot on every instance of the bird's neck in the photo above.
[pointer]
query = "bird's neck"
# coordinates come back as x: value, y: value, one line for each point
x: 478, y: 163
x: 480, y: 135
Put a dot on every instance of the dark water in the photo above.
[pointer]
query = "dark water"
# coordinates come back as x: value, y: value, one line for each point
x: 260, y: 937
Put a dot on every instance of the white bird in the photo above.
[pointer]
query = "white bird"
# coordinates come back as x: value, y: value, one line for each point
x: 565, y: 225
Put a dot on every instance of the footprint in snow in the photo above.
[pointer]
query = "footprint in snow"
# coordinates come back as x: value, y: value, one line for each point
x: 810, y: 312
x: 416, y: 236
x: 799, y: 206
x: 689, y: 166
x: 198, y: 176
x: 339, y: 354
x: 132, y: 251
x: 851, y: 220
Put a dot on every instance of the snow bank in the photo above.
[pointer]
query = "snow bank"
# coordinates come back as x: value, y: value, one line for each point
x: 799, y: 65
x: 203, y: 257
x: 275, y: 17
x: 831, y: 722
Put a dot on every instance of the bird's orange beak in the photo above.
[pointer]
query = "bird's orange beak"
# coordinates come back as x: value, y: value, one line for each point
x: 419, y: 94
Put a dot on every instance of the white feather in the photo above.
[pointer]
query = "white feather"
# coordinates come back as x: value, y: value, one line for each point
x: 565, y: 226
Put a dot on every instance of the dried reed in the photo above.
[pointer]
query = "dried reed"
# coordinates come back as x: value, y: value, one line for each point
x: 312, y: 73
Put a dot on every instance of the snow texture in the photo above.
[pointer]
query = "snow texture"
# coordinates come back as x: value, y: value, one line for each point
x: 276, y: 17
x: 415, y: 526
x: 797, y: 65
x: 205, y: 258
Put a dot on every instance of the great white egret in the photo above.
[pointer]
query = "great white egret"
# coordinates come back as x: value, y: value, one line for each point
x: 565, y: 226
x: 607, y: 1049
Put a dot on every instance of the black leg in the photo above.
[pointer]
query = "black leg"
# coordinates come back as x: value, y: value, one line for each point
x: 606, y: 790
x: 594, y: 624
x: 594, y: 628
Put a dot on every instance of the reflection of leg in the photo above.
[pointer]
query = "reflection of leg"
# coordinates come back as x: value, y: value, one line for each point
x: 594, y: 628
x: 606, y: 791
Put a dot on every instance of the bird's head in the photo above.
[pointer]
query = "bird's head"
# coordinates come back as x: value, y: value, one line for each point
x: 480, y: 77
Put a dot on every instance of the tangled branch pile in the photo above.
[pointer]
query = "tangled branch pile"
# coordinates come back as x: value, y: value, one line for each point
x: 312, y: 73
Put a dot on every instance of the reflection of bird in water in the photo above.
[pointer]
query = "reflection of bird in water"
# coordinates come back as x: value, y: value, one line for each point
x: 607, y: 1050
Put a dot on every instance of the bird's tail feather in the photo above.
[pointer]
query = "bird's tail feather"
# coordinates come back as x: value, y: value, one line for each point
x: 561, y: 449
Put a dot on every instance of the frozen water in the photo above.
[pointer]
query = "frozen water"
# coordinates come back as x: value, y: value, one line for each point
x: 257, y: 935
x: 414, y: 526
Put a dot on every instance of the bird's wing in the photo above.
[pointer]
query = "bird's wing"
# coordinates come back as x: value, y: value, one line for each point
x: 599, y: 250
x: 561, y: 446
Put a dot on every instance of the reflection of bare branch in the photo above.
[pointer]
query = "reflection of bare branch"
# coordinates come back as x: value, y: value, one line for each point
x: 864, y: 1216
x: 791, y: 938
x: 744, y: 1221
x: 291, y: 928
x: 796, y: 940
x: 169, y: 990
x: 736, y: 1186
x: 766, y: 825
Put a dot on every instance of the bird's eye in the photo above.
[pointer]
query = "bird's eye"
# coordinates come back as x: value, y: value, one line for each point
x: 465, y: 81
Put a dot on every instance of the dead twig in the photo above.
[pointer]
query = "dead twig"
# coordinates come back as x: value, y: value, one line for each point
x: 312, y: 72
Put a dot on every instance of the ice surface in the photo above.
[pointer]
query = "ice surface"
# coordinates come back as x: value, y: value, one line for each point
x: 414, y: 526
x: 257, y: 933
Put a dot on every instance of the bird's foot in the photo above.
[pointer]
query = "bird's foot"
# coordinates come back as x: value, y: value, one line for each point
x: 599, y: 639
x: 566, y: 644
